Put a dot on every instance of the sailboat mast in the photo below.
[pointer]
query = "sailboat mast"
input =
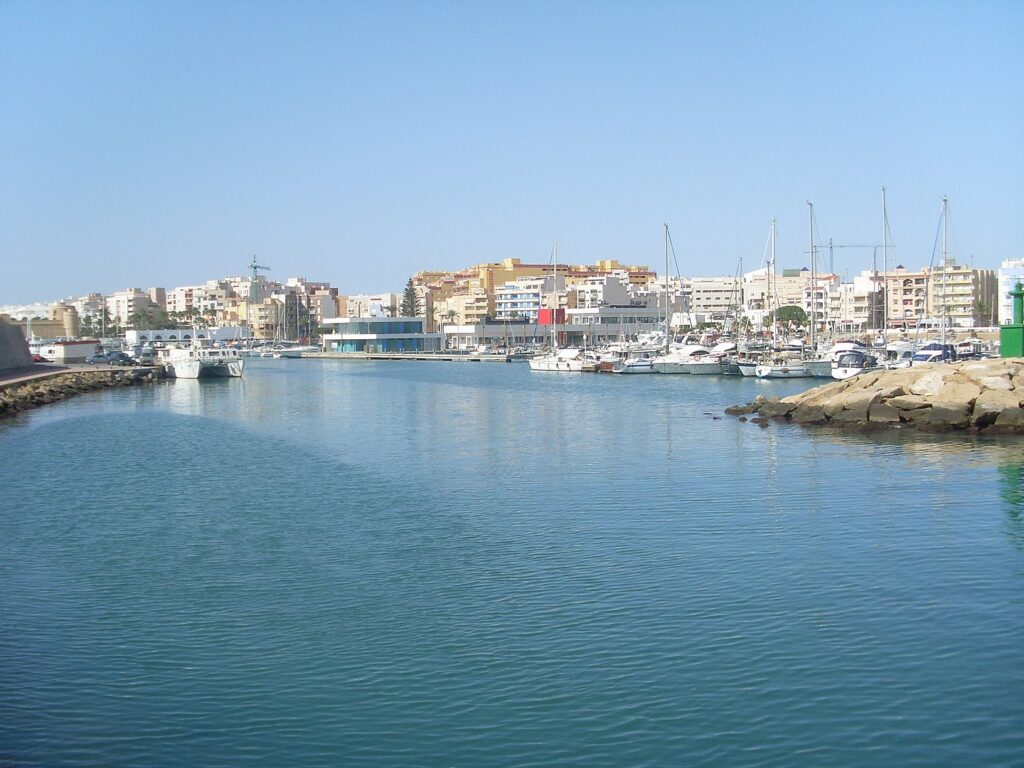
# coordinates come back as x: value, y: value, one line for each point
x: 810, y: 237
x: 945, y: 217
x: 771, y: 285
x: 554, y: 292
x: 885, y: 266
x: 668, y: 325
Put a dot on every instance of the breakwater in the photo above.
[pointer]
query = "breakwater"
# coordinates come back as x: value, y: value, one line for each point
x: 973, y: 396
x: 24, y: 395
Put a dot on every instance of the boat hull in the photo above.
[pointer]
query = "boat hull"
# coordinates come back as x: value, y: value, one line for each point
x: 796, y: 371
x: 747, y: 369
x: 201, y: 369
x: 564, y: 366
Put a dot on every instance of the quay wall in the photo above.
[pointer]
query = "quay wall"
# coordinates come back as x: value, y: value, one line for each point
x: 972, y: 396
x: 14, y: 352
x: 23, y: 396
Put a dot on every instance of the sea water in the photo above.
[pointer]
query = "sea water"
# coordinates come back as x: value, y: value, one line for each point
x: 451, y: 564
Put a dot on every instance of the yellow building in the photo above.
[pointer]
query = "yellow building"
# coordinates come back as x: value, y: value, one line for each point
x: 470, y: 293
x: 62, y: 323
x: 961, y: 296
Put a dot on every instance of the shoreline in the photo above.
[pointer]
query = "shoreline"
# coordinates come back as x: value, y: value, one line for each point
x: 970, y: 397
x: 20, y: 394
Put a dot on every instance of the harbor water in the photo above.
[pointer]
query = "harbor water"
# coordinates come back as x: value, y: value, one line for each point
x: 448, y: 564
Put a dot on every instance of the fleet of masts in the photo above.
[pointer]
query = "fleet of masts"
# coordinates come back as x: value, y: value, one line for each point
x: 728, y: 354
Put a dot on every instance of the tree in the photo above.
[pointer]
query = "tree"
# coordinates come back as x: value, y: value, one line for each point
x: 789, y: 315
x: 410, y: 301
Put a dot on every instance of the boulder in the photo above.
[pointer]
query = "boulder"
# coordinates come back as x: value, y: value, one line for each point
x: 885, y: 414
x: 809, y: 414
x: 852, y: 400
x: 776, y: 409
x: 991, y: 403
x: 909, y: 402
x: 958, y: 390
x: 931, y: 380
x: 1010, y: 418
x: 858, y: 415
x: 740, y: 410
x: 941, y: 417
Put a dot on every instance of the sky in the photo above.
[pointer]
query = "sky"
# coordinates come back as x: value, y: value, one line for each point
x: 154, y: 143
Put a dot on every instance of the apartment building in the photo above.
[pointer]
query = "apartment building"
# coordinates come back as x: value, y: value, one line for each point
x: 123, y: 304
x: 713, y: 299
x: 906, y: 297
x: 960, y: 296
x: 1011, y: 271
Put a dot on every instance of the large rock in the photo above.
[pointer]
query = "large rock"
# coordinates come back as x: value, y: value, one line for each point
x: 958, y: 390
x: 809, y: 414
x: 991, y: 403
x: 1010, y: 418
x: 941, y: 417
x: 909, y: 402
x: 856, y: 400
x: 931, y: 381
x: 776, y: 408
x: 883, y: 413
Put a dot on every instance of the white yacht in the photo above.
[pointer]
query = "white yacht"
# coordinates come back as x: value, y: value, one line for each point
x: 197, y: 362
x: 694, y: 359
x: 571, y: 360
x: 639, y: 363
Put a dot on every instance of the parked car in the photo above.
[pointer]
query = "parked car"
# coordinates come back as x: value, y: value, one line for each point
x: 37, y: 358
x: 110, y: 358
x: 119, y: 358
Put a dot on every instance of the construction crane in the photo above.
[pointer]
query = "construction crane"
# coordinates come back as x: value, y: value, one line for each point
x: 255, y: 276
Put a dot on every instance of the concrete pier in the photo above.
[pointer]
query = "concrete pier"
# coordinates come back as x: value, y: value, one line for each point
x: 447, y: 357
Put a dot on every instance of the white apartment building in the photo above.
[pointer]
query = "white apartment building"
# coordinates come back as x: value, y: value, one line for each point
x: 523, y: 298
x: 373, y: 305
x: 1010, y: 272
x: 713, y: 299
x: 601, y: 290
x: 123, y: 304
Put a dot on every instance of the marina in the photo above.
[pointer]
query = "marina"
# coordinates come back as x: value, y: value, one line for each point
x: 654, y: 574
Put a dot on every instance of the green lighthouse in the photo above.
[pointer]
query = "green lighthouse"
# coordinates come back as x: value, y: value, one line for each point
x: 1011, y: 336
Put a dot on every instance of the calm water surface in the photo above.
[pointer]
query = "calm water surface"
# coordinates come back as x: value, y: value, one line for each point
x: 428, y: 564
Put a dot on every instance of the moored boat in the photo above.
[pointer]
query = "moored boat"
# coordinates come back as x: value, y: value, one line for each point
x: 199, y: 362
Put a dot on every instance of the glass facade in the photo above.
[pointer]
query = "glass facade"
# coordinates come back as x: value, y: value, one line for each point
x: 380, y: 345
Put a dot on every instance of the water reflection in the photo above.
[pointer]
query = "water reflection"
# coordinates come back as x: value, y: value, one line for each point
x: 1011, y: 490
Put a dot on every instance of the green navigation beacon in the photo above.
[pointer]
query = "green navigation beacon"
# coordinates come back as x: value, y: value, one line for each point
x: 1011, y: 337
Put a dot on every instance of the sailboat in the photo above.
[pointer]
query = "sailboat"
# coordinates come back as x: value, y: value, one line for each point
x: 566, y: 360
x: 786, y: 369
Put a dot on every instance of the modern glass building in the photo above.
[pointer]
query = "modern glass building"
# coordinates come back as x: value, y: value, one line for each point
x: 380, y: 334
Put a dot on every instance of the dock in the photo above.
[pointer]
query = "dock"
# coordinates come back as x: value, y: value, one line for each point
x: 445, y: 357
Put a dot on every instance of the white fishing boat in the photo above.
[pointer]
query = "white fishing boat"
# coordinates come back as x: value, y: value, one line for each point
x: 853, y: 363
x: 564, y: 360
x: 296, y: 351
x: 198, y: 362
x: 641, y: 363
x: 794, y: 369
x: 691, y: 359
x: 569, y: 360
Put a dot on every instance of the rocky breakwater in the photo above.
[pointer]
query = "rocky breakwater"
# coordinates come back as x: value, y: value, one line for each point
x: 975, y: 395
x: 23, y: 396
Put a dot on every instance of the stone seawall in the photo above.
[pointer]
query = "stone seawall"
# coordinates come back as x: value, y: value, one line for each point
x: 14, y: 352
x: 976, y: 395
x: 24, y: 396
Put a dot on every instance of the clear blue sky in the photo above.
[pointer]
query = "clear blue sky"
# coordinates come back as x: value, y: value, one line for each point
x: 164, y: 143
